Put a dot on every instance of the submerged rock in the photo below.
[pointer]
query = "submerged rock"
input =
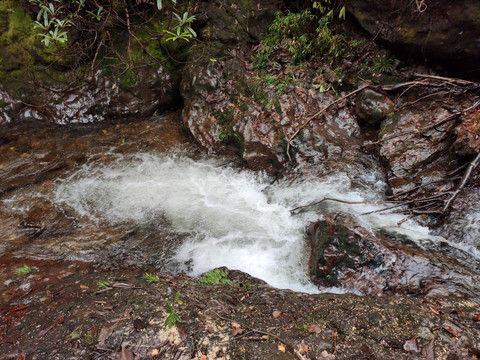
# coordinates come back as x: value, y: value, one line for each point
x: 43, y: 219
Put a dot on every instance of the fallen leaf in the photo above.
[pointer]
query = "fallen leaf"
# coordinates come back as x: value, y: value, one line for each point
x: 15, y: 309
x: 434, y: 309
x: 203, y: 357
x: 281, y: 348
x: 411, y: 345
x: 104, y: 132
x: 429, y: 350
x: 155, y: 352
x: 314, y: 328
x: 127, y: 354
x: 276, y: 314
x: 105, y: 334
x: 84, y: 287
x: 236, y: 329
x: 476, y: 317
x: 452, y: 329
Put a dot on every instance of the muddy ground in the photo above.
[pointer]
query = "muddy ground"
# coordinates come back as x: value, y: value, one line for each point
x: 59, y: 311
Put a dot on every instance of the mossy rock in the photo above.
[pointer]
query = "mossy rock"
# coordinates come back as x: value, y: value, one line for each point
x: 334, y: 249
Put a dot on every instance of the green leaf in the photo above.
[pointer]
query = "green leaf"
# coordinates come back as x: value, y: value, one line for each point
x: 341, y: 15
x: 159, y: 4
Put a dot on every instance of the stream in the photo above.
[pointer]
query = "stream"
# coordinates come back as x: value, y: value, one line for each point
x: 132, y: 202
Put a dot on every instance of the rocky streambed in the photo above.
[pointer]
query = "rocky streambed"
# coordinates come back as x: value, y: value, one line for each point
x: 104, y: 307
x: 341, y: 214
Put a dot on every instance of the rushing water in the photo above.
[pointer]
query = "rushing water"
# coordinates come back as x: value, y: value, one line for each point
x: 224, y: 216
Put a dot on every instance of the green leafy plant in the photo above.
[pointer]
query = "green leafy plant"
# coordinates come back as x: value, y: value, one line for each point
x: 102, y: 284
x: 183, y: 29
x: 383, y: 64
x: 24, y: 270
x: 98, y: 15
x: 150, y: 278
x: 172, y: 317
x: 217, y: 276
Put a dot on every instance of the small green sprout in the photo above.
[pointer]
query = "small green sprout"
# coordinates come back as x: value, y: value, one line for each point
x: 217, y: 276
x: 24, y: 270
x: 150, y: 278
x: 102, y: 284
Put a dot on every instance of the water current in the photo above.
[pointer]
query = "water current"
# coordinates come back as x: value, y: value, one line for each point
x: 224, y: 216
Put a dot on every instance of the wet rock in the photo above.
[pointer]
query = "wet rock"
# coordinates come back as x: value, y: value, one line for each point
x: 228, y: 106
x: 416, y: 157
x: 368, y: 263
x: 45, y: 220
x: 372, y: 107
x: 443, y: 31
x: 468, y: 139
x: 101, y: 98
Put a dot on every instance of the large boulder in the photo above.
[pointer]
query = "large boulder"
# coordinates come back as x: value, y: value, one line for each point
x: 229, y: 107
x: 379, y: 264
x: 444, y: 31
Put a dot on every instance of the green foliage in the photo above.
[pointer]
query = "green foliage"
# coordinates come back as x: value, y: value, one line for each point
x: 24, y: 270
x: 172, y: 317
x: 382, y: 64
x: 55, y: 17
x: 102, y: 284
x: 303, y: 34
x: 217, y: 276
x: 290, y: 29
x: 150, y: 278
x: 183, y: 29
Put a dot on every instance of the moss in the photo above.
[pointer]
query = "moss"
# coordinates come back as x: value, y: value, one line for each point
x: 346, y: 247
x: 128, y: 79
x: 408, y: 33
x: 232, y: 138
x: 3, y: 103
x: 225, y: 118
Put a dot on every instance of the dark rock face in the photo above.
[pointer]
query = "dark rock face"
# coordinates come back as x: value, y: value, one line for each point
x: 374, y: 264
x: 443, y: 31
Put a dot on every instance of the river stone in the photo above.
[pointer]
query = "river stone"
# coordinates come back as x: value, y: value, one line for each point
x: 372, y: 107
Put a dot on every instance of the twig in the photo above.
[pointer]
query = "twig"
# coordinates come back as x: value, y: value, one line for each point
x: 462, y: 182
x: 321, y: 111
x: 348, y: 202
x: 450, y: 80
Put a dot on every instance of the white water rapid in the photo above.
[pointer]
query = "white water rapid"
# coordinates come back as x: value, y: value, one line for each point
x: 226, y: 217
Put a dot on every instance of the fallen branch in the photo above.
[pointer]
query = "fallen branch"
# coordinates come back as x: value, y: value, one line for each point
x: 321, y: 111
x: 463, y: 182
x: 349, y: 202
x: 446, y: 79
